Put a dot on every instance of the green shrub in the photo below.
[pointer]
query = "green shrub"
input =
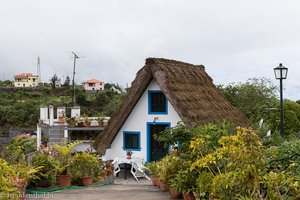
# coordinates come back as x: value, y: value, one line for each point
x: 14, y: 178
x: 47, y: 166
x: 184, y: 181
x: 236, y: 166
x: 281, y: 156
x: 167, y: 167
x: 85, y: 164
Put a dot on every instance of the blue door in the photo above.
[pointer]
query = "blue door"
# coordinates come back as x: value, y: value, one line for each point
x: 155, y: 149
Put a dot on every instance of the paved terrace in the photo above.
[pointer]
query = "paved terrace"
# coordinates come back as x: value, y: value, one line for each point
x: 128, y: 189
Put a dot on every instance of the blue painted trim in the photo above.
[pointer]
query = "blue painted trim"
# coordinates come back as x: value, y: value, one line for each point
x: 139, y: 140
x: 149, y: 103
x: 148, y: 159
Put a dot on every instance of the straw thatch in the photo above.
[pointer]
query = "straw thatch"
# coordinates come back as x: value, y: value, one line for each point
x: 189, y: 89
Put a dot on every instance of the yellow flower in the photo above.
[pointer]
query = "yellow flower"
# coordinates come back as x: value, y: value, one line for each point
x: 292, y: 165
x: 295, y: 185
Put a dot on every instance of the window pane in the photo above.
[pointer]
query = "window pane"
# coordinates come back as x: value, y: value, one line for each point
x: 158, y: 102
x: 131, y: 141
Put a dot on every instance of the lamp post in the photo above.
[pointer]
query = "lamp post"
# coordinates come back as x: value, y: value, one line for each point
x: 281, y: 73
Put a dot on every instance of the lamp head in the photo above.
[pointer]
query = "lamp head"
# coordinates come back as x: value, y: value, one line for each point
x: 280, y: 72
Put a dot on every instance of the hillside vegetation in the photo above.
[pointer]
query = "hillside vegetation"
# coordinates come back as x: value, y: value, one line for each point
x: 19, y: 107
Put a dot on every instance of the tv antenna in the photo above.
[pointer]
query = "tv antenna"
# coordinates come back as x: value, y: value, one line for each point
x: 39, y: 69
x: 75, y: 57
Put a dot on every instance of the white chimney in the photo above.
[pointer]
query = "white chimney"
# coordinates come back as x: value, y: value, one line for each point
x: 44, y: 113
x: 51, y: 115
x: 75, y: 111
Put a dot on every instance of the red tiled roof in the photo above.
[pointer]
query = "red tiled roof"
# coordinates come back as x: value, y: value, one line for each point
x: 93, y: 81
x: 24, y: 75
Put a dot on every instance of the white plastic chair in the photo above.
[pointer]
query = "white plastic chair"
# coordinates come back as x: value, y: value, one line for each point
x: 138, y: 171
x: 116, y: 166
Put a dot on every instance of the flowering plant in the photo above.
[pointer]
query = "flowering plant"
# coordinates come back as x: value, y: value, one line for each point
x: 48, y: 165
x: 14, y: 177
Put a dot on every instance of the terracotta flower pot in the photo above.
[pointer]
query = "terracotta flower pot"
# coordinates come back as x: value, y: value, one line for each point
x: 157, y: 182
x: 188, y: 196
x: 154, y: 180
x: 163, y: 186
x: 87, y: 180
x: 64, y: 180
x: 88, y: 124
x: 61, y: 120
x: 174, y: 193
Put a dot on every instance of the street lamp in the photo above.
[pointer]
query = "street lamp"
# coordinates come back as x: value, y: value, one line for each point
x: 281, y: 73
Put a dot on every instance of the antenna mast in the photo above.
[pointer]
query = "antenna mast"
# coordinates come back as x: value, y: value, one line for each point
x: 39, y: 69
x: 75, y: 57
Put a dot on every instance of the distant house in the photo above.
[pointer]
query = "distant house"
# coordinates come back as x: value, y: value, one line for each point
x: 93, y: 85
x: 163, y: 93
x: 58, y: 83
x: 26, y: 80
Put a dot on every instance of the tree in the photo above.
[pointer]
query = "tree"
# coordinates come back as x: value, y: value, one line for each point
x: 102, y: 100
x: 253, y: 97
x: 112, y: 89
x: 113, y: 104
x: 53, y: 80
x: 81, y: 99
x: 291, y: 117
x: 257, y: 99
x: 67, y: 81
x: 6, y: 83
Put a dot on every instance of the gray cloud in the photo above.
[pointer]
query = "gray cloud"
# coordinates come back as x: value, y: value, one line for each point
x: 235, y: 40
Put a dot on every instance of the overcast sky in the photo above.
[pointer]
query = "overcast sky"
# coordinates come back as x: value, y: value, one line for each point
x: 235, y: 40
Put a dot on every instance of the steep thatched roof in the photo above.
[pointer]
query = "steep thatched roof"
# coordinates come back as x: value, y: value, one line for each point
x: 189, y: 89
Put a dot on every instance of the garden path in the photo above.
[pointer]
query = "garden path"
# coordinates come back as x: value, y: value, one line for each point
x: 128, y: 189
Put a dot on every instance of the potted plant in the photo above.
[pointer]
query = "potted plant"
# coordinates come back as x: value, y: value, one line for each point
x: 47, y: 163
x: 184, y: 181
x: 85, y: 166
x: 167, y: 168
x: 152, y: 166
x: 81, y: 122
x: 71, y: 121
x: 61, y: 117
x: 87, y: 120
x: 63, y: 156
x: 100, y: 119
x: 129, y: 153
x: 108, y: 173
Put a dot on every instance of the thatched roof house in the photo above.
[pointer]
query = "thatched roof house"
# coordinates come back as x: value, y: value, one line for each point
x: 188, y: 88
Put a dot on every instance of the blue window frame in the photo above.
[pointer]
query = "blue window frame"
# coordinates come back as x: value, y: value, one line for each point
x: 132, y: 140
x: 157, y: 102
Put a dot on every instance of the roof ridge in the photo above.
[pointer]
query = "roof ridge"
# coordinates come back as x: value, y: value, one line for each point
x: 153, y: 60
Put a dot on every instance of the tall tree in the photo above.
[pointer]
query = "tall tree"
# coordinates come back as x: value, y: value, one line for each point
x: 67, y: 81
x: 53, y: 80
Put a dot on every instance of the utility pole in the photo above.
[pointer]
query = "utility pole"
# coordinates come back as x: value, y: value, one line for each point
x: 75, y: 57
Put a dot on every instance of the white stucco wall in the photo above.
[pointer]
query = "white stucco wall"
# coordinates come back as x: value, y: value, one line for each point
x: 96, y: 86
x: 137, y: 121
x: 31, y: 81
